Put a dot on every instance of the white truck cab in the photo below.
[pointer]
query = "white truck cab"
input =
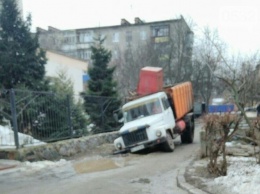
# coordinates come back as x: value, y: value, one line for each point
x: 148, y: 121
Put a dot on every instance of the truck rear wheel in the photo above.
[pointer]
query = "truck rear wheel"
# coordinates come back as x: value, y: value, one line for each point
x: 188, y: 135
x: 168, y: 146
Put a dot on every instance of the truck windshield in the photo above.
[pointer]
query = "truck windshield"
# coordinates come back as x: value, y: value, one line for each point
x: 143, y: 109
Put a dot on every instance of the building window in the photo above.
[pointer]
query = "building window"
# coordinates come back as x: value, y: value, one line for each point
x: 81, y: 54
x: 116, y: 37
x: 69, y: 40
x: 84, y: 54
x: 143, y: 35
x: 160, y: 31
x: 85, y: 37
x: 88, y: 37
x: 81, y: 38
x: 128, y: 36
x: 87, y: 54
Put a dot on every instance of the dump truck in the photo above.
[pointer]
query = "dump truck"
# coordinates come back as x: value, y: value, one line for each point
x: 157, y: 115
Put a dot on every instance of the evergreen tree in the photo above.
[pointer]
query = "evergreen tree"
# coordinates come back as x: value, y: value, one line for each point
x: 101, y: 97
x: 62, y: 86
x: 21, y: 60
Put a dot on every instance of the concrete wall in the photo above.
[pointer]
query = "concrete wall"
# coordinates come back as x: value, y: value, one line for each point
x: 58, y: 150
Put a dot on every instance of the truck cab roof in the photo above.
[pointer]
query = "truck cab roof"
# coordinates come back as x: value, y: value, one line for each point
x: 145, y: 98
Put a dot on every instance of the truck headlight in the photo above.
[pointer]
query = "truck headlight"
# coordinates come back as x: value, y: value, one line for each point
x: 119, y: 146
x: 158, y: 133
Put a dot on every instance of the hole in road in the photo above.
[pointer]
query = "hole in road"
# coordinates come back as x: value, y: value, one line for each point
x: 100, y: 164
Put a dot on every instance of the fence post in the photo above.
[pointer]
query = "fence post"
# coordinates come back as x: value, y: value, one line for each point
x: 69, y: 116
x: 14, y: 117
x: 203, y: 144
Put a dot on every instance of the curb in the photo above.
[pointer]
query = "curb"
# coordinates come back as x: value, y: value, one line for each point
x: 181, y: 182
x: 6, y: 167
x: 9, y: 171
x: 9, y: 166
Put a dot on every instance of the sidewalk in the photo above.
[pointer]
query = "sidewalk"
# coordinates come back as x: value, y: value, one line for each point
x: 9, y: 166
x: 182, y: 183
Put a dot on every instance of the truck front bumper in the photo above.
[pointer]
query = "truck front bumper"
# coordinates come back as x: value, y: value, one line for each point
x: 141, y: 146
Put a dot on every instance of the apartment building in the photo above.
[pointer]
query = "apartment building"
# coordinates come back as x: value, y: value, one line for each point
x: 172, y: 40
x: 77, y: 42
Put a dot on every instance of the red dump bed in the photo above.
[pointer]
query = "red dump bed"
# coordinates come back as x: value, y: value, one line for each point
x: 150, y: 80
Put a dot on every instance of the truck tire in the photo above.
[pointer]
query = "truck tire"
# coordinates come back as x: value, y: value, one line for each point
x: 188, y: 135
x: 168, y: 146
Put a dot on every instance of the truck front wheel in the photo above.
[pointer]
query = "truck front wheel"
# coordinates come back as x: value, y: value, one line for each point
x: 168, y: 146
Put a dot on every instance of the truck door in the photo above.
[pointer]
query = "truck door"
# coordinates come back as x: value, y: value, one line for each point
x: 168, y: 114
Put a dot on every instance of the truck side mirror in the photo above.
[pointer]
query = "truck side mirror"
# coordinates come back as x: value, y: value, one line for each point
x: 118, y: 116
x: 115, y: 115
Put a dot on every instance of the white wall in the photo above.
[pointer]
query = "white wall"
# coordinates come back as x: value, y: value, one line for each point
x: 75, y: 68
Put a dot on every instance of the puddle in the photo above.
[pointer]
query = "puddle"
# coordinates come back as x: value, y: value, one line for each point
x: 101, y: 164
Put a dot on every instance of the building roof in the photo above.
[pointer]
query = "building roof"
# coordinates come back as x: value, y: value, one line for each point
x: 124, y: 23
x: 64, y: 55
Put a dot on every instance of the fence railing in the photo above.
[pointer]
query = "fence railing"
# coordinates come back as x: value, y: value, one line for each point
x: 47, y: 116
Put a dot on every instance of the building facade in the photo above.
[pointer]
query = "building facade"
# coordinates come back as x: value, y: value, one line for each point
x: 170, y: 41
x: 77, y: 42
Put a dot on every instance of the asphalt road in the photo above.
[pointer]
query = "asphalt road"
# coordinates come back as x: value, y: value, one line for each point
x: 145, y: 173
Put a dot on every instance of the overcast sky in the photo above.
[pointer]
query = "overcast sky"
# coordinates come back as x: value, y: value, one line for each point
x: 237, y: 21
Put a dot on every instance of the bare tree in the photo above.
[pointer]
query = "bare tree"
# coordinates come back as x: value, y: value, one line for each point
x: 176, y: 54
x: 207, y: 61
x: 256, y: 137
x: 129, y: 63
x: 218, y: 132
x: 239, y: 75
x: 248, y: 76
x: 172, y: 52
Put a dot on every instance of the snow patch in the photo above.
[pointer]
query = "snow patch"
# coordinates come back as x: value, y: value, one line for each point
x: 233, y: 144
x: 243, y: 176
x: 42, y: 164
x: 7, y: 138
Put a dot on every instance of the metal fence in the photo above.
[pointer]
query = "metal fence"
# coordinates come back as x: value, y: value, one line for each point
x: 48, y: 117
